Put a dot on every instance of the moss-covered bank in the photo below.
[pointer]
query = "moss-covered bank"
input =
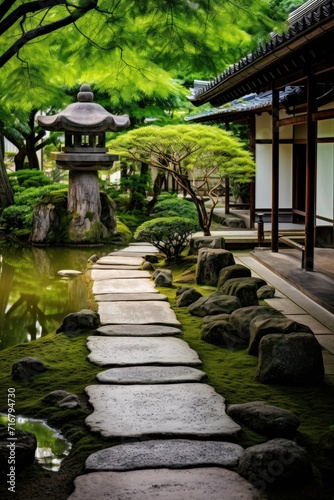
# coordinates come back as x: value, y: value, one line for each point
x: 231, y: 373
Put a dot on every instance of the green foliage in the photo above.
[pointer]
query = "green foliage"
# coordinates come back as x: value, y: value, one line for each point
x: 168, y: 234
x: 17, y: 217
x: 170, y: 205
x: 28, y: 178
x: 197, y: 157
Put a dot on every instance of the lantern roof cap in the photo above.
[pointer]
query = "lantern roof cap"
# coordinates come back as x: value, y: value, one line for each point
x: 84, y: 116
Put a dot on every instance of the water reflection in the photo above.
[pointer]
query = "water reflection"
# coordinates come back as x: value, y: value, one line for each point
x: 52, y: 447
x: 33, y: 297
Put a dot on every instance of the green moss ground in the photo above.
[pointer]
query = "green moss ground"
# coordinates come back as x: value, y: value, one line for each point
x: 231, y: 373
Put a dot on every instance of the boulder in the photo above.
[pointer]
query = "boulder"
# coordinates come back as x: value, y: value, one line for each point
x: 209, y: 264
x: 26, y: 368
x: 181, y: 289
x: 80, y: 321
x: 197, y: 242
x: 241, y: 318
x: 215, y: 317
x: 188, y: 297
x: 246, y: 292
x: 234, y: 271
x: 220, y: 333
x: 228, y: 285
x: 62, y: 399
x: 279, y: 462
x: 216, y: 303
x: 259, y: 327
x: 290, y: 359
x: 264, y: 418
x: 266, y: 292
x: 22, y: 450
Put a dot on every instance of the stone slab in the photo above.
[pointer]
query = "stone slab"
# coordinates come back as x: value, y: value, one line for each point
x: 168, y: 410
x: 145, y: 249
x: 124, y: 286
x: 285, y: 306
x: 129, y: 297
x: 138, y: 331
x: 108, y: 274
x: 131, y: 351
x: 169, y: 453
x: 114, y: 266
x: 210, y: 483
x: 140, y: 313
x: 150, y: 375
x: 120, y: 259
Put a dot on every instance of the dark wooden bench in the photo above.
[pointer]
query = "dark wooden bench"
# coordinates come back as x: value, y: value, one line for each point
x: 294, y: 244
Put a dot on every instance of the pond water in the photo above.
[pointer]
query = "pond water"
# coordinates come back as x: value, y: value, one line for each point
x: 33, y: 298
x: 52, y: 447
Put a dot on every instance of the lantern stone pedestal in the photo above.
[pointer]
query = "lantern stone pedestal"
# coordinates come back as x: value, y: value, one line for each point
x: 91, y: 219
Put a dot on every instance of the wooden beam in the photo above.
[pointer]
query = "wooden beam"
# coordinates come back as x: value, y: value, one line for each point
x: 275, y: 170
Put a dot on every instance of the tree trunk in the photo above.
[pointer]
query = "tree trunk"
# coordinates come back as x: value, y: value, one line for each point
x: 6, y: 192
x: 159, y: 181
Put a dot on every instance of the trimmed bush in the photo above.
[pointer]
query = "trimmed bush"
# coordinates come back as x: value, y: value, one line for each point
x: 168, y: 234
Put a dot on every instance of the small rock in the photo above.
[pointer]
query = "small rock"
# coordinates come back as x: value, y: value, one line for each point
x: 93, y: 258
x: 147, y: 266
x: 26, y: 368
x: 245, y: 291
x: 278, y: 462
x: 266, y: 292
x: 69, y: 273
x: 188, y: 297
x: 79, y: 321
x: 216, y: 303
x: 62, y: 399
x: 265, y: 418
x: 216, y: 317
x: 220, y: 333
x: 164, y: 279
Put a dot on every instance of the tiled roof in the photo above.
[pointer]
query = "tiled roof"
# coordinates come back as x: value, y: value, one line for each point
x: 307, y: 28
x: 243, y: 107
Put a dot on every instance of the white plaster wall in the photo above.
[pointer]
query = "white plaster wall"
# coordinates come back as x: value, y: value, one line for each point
x: 264, y: 175
x: 325, y: 182
x: 326, y: 128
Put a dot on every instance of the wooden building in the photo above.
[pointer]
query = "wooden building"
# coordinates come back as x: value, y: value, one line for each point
x: 285, y: 90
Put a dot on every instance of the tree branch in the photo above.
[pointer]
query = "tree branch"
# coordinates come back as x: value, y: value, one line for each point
x: 43, y: 30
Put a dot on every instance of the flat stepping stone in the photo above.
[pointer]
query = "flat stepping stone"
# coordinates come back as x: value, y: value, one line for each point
x: 131, y: 351
x: 140, y: 313
x: 129, y: 297
x: 138, y: 330
x: 108, y: 274
x: 124, y: 286
x: 172, y: 454
x: 150, y: 375
x: 113, y: 266
x: 121, y: 259
x: 169, y: 410
x: 212, y: 483
x: 144, y: 249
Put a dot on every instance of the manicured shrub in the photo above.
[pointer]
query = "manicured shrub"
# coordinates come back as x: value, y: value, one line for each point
x: 170, y: 205
x: 168, y: 234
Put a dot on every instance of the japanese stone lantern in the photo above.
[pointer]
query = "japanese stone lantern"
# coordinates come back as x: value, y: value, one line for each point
x: 85, y: 124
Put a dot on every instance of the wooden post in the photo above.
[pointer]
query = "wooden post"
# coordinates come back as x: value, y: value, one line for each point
x: 311, y: 177
x: 275, y: 170
x: 227, y: 195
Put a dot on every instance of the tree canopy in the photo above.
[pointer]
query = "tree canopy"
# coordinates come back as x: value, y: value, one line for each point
x: 197, y: 156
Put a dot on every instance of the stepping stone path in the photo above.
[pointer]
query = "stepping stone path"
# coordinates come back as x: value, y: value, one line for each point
x: 150, y: 392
